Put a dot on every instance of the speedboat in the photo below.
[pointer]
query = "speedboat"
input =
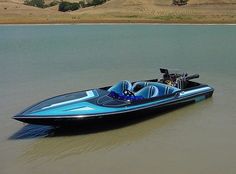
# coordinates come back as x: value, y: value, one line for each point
x: 121, y: 100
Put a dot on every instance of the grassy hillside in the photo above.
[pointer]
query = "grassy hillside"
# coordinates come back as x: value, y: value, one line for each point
x: 197, y: 11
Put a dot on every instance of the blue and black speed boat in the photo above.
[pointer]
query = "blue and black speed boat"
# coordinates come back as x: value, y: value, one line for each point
x: 124, y: 99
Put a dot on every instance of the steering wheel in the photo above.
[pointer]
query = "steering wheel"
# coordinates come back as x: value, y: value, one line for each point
x: 127, y: 92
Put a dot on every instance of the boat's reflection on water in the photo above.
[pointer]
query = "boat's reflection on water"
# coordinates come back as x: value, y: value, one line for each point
x: 32, y: 131
x: 58, y: 143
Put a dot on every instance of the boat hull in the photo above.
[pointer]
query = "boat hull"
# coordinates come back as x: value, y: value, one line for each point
x: 145, y: 112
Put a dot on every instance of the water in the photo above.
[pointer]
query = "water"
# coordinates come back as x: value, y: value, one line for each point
x: 37, y: 62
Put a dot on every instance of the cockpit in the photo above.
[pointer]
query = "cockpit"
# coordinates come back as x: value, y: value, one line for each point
x: 125, y: 90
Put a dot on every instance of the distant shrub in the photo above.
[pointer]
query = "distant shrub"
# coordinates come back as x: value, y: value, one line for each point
x: 98, y: 2
x: 95, y: 2
x: 82, y: 4
x: 53, y: 3
x: 180, y: 2
x: 68, y: 6
x: 35, y: 3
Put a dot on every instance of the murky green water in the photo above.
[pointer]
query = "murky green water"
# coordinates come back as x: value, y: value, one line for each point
x: 37, y: 62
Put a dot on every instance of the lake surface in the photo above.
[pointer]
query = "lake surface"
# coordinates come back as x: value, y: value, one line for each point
x: 37, y: 62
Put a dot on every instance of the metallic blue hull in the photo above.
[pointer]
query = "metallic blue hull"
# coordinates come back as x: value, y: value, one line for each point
x: 85, y: 107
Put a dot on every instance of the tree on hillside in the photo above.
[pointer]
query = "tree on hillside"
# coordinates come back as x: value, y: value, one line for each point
x: 82, y: 4
x: 68, y: 6
x: 180, y: 2
x: 95, y: 2
x: 35, y: 3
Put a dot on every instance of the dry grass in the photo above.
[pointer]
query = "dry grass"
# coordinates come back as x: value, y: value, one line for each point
x: 197, y: 11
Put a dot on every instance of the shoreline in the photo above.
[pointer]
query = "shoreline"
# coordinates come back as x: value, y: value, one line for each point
x: 72, y: 21
x: 115, y: 23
